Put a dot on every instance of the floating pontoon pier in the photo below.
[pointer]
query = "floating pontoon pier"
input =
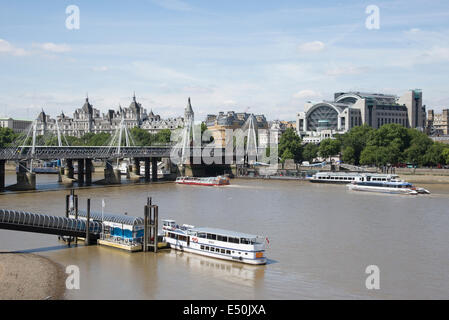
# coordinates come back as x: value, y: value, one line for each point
x: 115, y: 230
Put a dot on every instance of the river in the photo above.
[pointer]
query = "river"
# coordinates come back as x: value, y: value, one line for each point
x: 321, y: 239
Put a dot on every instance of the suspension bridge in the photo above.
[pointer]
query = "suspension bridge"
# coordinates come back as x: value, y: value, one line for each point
x: 121, y: 145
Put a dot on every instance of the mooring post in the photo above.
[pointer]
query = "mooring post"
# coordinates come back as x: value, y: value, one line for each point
x: 145, y: 229
x: 156, y: 213
x: 67, y: 200
x: 87, y: 222
x: 75, y: 205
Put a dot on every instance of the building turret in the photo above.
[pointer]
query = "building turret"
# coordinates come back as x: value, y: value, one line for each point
x: 188, y: 112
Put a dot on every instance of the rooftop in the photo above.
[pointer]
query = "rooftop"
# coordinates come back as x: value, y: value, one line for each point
x: 110, y: 217
x: 223, y: 232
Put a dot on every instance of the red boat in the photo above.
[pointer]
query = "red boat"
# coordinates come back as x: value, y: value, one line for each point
x: 208, y: 181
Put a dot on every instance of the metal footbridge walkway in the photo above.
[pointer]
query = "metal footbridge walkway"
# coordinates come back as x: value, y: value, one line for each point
x: 42, y: 223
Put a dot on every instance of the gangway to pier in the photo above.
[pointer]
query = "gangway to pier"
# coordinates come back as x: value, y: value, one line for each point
x: 42, y: 223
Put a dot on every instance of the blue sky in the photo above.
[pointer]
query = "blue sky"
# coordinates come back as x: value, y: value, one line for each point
x: 256, y: 56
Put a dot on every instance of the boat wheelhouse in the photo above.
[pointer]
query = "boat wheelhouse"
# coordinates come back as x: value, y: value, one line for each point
x: 347, y: 177
x: 215, y: 243
x: 207, y: 181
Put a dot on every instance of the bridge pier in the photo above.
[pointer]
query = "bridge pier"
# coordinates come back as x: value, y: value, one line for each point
x: 153, y: 169
x: 68, y: 170
x: 25, y: 180
x: 147, y: 169
x: 88, y: 172
x: 81, y: 171
x: 137, y: 166
x: 2, y: 175
x: 111, y: 175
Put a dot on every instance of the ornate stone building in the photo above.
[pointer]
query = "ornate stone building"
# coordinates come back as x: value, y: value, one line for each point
x: 438, y: 123
x: 218, y: 124
x: 89, y: 119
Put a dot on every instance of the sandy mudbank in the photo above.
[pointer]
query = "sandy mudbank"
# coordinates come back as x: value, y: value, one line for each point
x: 27, y: 276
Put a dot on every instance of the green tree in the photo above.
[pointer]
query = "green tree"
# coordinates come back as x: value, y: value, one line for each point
x: 349, y: 155
x: 310, y: 152
x: 434, y: 154
x: 374, y: 155
x: 329, y: 147
x: 141, y: 137
x: 419, y: 144
x: 445, y: 155
x: 7, y: 136
x: 290, y: 146
x: 354, y: 141
x: 163, y: 136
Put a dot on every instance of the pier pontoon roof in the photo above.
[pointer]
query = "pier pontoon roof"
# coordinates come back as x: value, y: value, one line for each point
x: 117, y: 218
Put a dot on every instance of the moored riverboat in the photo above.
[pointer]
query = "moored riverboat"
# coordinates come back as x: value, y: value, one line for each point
x: 215, y: 243
x: 207, y: 181
x: 347, y: 177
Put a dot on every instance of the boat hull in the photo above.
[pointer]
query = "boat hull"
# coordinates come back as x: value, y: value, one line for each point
x: 383, y: 190
x: 260, y: 261
x: 202, y: 183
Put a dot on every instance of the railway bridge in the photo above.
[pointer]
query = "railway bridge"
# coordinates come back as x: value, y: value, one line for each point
x: 82, y: 157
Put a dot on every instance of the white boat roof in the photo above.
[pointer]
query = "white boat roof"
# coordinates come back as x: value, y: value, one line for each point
x: 223, y: 232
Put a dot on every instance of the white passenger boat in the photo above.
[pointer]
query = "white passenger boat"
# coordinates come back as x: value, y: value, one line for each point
x: 396, y: 186
x: 215, y: 243
x: 347, y: 177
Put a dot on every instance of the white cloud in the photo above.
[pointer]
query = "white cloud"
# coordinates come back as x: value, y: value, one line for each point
x: 304, y: 94
x: 52, y: 47
x: 314, y: 46
x: 8, y: 48
x: 346, y: 70
x: 176, y: 5
x: 435, y: 54
x: 100, y: 69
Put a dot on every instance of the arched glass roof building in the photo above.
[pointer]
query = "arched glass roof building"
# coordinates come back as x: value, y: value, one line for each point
x: 349, y: 109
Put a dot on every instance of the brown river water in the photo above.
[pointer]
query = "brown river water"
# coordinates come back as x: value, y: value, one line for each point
x: 321, y: 239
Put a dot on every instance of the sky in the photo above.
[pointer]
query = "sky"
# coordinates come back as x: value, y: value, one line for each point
x: 262, y: 57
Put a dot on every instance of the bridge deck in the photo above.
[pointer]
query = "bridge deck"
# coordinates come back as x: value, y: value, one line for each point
x: 42, y: 223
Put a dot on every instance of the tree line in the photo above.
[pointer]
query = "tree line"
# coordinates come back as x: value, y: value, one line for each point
x: 362, y: 145
x: 140, y: 137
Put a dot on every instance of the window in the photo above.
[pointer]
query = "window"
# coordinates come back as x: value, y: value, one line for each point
x: 202, y: 247
x: 222, y: 238
x: 201, y: 235
x: 211, y: 236
x: 228, y: 251
x: 244, y: 241
x: 212, y: 249
x: 206, y: 248
x: 222, y: 250
x: 233, y: 240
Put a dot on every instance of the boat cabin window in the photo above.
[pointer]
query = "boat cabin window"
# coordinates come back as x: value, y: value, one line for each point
x: 211, y: 236
x: 168, y: 223
x: 201, y: 235
x: 244, y: 241
x: 233, y: 240
x: 222, y: 238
